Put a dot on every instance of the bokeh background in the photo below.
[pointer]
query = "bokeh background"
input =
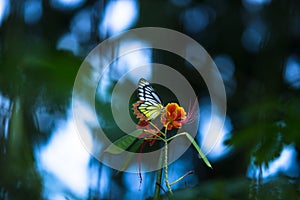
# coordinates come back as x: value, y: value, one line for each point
x: 255, y: 45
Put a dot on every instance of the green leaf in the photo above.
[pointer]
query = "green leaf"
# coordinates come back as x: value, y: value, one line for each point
x: 198, y: 149
x: 123, y: 143
x: 128, y: 158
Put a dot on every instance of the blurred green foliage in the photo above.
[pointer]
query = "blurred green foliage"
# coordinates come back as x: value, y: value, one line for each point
x: 265, y: 110
x: 238, y: 188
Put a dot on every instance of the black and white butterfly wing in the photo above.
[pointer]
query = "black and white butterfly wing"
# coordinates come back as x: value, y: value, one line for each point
x: 147, y: 93
x: 150, y: 103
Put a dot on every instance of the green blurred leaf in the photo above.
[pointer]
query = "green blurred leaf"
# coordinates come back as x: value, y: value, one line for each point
x: 240, y: 188
x: 198, y: 149
x: 123, y: 143
x: 260, y: 134
x: 128, y: 158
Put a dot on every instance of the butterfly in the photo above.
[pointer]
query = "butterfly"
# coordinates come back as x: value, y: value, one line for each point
x: 149, y: 105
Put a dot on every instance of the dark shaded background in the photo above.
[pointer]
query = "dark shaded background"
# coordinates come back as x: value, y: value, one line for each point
x: 255, y: 44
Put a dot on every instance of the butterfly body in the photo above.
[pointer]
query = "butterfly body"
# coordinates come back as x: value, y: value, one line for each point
x: 149, y: 105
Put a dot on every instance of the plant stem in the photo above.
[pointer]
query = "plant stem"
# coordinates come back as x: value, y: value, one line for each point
x: 166, y: 163
x: 154, y: 134
x: 158, y: 178
x: 179, y: 179
x: 157, y: 128
x: 179, y: 134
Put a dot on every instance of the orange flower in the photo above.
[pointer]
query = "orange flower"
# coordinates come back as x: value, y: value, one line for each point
x: 173, y: 117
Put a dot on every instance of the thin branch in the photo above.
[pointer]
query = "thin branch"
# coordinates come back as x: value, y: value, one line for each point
x: 179, y: 179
